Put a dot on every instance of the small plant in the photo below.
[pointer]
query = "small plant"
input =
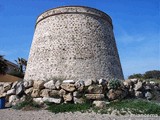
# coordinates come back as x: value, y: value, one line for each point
x: 28, y: 104
x: 58, y: 108
x: 114, y: 84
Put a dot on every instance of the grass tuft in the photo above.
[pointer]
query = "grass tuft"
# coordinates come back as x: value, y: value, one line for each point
x: 69, y: 107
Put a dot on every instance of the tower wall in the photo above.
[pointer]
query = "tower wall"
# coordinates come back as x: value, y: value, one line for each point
x: 73, y: 42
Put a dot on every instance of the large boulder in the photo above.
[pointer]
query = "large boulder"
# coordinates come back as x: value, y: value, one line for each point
x: 97, y: 89
x: 88, y: 82
x: 38, y: 84
x: 68, y: 87
x: 116, y: 94
x: 20, y: 89
x: 50, y: 85
x: 44, y: 93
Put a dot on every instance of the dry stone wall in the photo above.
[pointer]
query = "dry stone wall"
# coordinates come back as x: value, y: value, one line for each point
x: 73, y: 42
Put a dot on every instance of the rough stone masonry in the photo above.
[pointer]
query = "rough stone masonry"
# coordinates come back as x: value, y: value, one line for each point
x: 73, y: 42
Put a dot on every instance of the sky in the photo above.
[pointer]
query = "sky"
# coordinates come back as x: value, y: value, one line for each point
x: 136, y: 29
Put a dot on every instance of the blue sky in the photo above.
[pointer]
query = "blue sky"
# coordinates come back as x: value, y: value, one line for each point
x: 136, y: 28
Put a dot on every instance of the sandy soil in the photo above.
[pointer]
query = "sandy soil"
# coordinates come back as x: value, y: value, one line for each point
x: 11, y: 114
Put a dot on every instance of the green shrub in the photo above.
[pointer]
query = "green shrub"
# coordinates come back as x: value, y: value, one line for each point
x: 58, y: 108
x: 140, y: 76
x: 114, y: 84
x: 28, y: 103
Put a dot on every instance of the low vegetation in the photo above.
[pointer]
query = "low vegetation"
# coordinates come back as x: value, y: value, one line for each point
x: 69, y: 107
x: 134, y: 106
x: 152, y: 74
x: 127, y: 106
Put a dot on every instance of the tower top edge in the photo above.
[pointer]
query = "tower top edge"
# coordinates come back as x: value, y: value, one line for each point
x: 73, y: 10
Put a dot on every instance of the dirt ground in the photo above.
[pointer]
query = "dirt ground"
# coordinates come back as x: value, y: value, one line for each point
x: 11, y: 114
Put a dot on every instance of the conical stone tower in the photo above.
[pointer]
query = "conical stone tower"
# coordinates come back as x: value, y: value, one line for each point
x: 73, y: 42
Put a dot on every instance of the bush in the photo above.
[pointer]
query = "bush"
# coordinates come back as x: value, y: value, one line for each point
x: 136, y: 76
x: 152, y: 74
x: 114, y: 84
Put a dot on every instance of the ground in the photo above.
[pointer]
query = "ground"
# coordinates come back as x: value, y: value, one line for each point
x: 11, y: 114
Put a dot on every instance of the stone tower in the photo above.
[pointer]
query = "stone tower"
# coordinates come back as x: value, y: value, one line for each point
x: 73, y: 42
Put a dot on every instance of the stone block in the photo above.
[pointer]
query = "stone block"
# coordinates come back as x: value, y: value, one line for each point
x: 94, y: 96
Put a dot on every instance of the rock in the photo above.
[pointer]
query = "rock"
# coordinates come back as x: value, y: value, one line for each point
x: 58, y: 84
x: 3, y: 94
x: 69, y: 81
x: 29, y: 91
x: 78, y: 100
x: 44, y: 93
x: 134, y: 80
x: 127, y: 83
x: 148, y: 95
x: 38, y: 84
x: 79, y: 85
x: 115, y: 94
x: 152, y: 82
x: 7, y: 86
x: 102, y: 82
x: 54, y: 93
x: 148, y: 88
x: 13, y: 99
x: 50, y: 85
x: 68, y: 97
x: 14, y: 85
x: 77, y: 94
x: 52, y: 100
x: 19, y: 89
x: 28, y: 84
x: 138, y: 86
x: 138, y: 94
x: 99, y: 104
x: 1, y: 90
x: 11, y: 92
x: 23, y: 98
x: 94, y: 96
x: 38, y: 100
x: 62, y: 92
x: 68, y: 87
x: 35, y: 93
x: 88, y: 82
x: 97, y: 89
